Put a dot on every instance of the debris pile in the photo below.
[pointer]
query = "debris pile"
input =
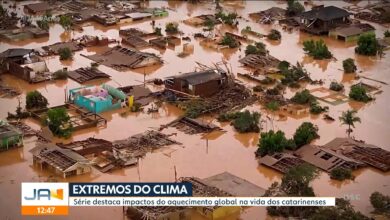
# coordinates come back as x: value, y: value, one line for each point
x: 269, y: 16
x: 6, y: 91
x: 257, y: 61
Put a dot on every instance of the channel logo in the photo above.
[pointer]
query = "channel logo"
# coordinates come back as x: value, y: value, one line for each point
x: 45, y: 198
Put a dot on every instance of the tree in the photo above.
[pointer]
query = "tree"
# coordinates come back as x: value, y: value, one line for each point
x: 274, y: 35
x: 273, y: 106
x: 348, y: 118
x: 317, y: 49
x: 35, y: 99
x: 65, y: 53
x: 343, y: 210
x: 61, y: 74
x: 305, y: 134
x: 259, y: 48
x: 229, y: 41
x: 303, y: 97
x: 380, y: 202
x: 230, y: 19
x: 247, y: 122
x: 66, y: 22
x: 359, y: 93
x: 294, y: 8
x: 172, y: 27
x: 340, y: 173
x: 43, y: 24
x: 335, y: 86
x: 243, y: 122
x: 367, y: 45
x: 58, y: 122
x: 272, y: 142
x: 293, y: 74
x: 296, y: 182
x: 316, y: 108
x: 349, y: 65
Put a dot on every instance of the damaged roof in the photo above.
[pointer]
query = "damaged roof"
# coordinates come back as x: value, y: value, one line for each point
x: 15, y: 52
x: 196, y: 78
x: 327, y: 13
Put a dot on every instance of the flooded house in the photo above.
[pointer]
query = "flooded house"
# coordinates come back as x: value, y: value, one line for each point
x: 19, y: 34
x: 97, y: 98
x: 352, y: 32
x: 221, y: 185
x: 326, y: 159
x: 82, y: 75
x: 9, y: 136
x: 105, y: 19
x: 365, y: 153
x: 37, y: 8
x: 121, y: 58
x: 320, y: 20
x: 24, y: 64
x: 62, y: 162
x: 203, y: 83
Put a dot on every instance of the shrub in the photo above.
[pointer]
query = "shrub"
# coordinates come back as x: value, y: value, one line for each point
x: 61, y: 74
x: 335, y: 86
x: 315, y: 108
x: 229, y: 116
x: 343, y: 210
x: 66, y: 22
x: 43, y: 24
x: 274, y: 35
x: 271, y: 142
x: 228, y: 40
x: 283, y: 65
x: 58, y: 122
x: 305, y: 133
x: 340, y: 173
x: 359, y: 93
x: 193, y: 108
x: 247, y: 122
x: 293, y: 74
x: 273, y: 105
x: 367, y: 45
x: 387, y: 33
x: 35, y: 99
x: 380, y: 202
x: 229, y: 18
x: 65, y: 53
x: 317, y: 49
x: 349, y: 65
x: 157, y: 31
x: 259, y: 48
x: 303, y: 97
x: 172, y: 27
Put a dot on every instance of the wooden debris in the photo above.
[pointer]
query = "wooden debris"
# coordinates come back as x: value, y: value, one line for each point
x: 192, y: 126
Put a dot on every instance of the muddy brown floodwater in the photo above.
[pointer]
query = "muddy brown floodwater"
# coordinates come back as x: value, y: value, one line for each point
x: 228, y: 151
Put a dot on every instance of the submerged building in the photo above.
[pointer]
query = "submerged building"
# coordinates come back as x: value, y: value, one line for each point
x: 204, y: 83
x: 320, y: 20
x: 97, y: 98
x: 9, y: 136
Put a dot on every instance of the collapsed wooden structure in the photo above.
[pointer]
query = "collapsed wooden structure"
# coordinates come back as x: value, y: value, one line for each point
x: 192, y: 126
x: 360, y: 151
x: 267, y: 63
x: 281, y: 162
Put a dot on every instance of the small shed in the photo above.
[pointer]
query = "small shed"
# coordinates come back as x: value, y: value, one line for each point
x: 203, y: 83
x: 63, y: 162
x: 351, y: 33
x: 9, y: 136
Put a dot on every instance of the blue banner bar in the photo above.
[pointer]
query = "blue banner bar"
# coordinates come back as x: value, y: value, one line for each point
x: 130, y: 189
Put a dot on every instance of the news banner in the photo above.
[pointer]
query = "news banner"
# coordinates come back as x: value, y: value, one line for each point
x: 56, y: 198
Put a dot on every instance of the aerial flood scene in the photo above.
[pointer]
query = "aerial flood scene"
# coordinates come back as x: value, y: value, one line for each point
x: 279, y: 98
